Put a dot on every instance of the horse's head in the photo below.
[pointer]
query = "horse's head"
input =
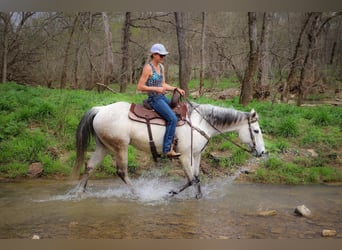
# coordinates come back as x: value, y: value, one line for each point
x: 250, y: 134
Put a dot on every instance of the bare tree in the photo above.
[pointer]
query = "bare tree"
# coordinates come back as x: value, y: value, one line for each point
x: 109, y: 62
x: 312, y: 38
x: 12, y: 39
x: 247, y: 84
x: 89, y: 52
x: 125, y: 72
x: 290, y: 81
x: 77, y: 64
x: 183, y: 51
x: 202, y: 53
x: 309, y: 65
x: 6, y: 18
x: 264, y: 60
x: 63, y: 79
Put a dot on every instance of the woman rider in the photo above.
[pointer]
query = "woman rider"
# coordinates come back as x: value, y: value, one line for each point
x: 152, y: 81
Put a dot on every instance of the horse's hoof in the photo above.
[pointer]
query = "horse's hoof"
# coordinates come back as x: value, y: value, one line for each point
x: 199, y: 196
x: 172, y: 193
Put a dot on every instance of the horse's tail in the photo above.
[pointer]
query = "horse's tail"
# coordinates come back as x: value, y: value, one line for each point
x: 84, y: 130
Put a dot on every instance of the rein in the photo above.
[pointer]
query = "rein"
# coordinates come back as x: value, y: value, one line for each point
x: 221, y: 133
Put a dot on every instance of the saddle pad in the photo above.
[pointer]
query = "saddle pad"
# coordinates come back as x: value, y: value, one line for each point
x: 140, y: 114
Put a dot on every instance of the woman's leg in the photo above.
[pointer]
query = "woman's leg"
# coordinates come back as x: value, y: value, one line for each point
x: 161, y: 105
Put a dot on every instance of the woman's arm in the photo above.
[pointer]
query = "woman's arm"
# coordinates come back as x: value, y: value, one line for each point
x: 169, y: 87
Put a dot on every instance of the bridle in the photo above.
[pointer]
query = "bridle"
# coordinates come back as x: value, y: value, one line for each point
x: 250, y: 121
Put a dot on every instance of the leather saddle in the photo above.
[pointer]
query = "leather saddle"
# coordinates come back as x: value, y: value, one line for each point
x: 145, y: 114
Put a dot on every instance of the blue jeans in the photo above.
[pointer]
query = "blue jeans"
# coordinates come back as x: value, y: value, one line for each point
x: 160, y: 103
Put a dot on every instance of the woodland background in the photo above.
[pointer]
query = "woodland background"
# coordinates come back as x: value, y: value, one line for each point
x: 287, y: 55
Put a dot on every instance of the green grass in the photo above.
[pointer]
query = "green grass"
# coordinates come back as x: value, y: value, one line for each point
x: 38, y: 125
x: 300, y: 171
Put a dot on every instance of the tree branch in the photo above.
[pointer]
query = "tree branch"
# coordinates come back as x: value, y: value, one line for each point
x: 105, y: 86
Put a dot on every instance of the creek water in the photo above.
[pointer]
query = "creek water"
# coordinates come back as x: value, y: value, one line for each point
x: 110, y: 211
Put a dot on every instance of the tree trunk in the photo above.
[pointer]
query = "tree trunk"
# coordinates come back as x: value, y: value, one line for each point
x: 183, y: 51
x: 264, y: 60
x: 109, y: 62
x: 76, y: 66
x: 12, y: 43
x: 247, y: 83
x: 312, y: 37
x: 66, y: 54
x: 202, y: 54
x: 125, y: 72
x: 332, y: 55
x: 294, y: 62
x: 6, y: 17
x: 91, y: 80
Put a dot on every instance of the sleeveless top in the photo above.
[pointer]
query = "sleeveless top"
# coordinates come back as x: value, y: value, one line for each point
x: 155, y: 80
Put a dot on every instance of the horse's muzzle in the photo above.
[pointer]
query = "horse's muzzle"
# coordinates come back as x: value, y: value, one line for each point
x: 259, y: 154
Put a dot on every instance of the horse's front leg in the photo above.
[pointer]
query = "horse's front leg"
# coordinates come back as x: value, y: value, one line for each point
x: 173, y: 192
x: 192, y: 174
x: 197, y: 161
x: 195, y: 182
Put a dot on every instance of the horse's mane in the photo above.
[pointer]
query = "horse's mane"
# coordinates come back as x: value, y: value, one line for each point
x: 219, y: 116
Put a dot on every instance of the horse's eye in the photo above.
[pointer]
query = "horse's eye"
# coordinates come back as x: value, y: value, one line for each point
x: 256, y: 131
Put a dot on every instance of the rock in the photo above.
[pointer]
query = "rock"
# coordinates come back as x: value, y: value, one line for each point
x: 277, y: 230
x: 312, y: 152
x: 35, y: 237
x: 35, y: 169
x: 328, y: 233
x: 267, y: 213
x: 303, y: 211
x: 73, y: 224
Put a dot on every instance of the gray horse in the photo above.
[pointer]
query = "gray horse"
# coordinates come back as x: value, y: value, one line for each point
x: 114, y: 131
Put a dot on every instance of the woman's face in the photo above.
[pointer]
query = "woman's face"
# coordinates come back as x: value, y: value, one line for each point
x: 158, y: 57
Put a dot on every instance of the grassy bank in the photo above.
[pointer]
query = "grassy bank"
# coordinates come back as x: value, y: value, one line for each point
x: 39, y: 124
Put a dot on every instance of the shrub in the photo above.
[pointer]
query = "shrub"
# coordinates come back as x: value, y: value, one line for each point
x: 321, y: 118
x: 281, y: 145
x: 14, y: 169
x: 51, y: 166
x: 26, y: 147
x: 311, y: 137
x: 288, y: 128
x: 273, y: 163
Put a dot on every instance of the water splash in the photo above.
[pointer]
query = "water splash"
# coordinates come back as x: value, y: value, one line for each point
x: 150, y: 188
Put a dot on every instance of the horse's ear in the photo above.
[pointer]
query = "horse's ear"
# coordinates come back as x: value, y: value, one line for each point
x: 254, y: 114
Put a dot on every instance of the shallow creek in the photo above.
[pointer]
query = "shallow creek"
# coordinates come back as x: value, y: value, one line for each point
x: 110, y: 211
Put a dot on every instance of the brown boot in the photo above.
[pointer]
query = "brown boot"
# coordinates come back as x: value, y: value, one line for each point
x: 173, y: 154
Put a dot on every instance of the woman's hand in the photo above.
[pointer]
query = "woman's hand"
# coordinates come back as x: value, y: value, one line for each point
x: 181, y: 91
x: 161, y: 89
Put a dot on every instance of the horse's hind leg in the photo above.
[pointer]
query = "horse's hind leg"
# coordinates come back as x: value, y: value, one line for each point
x: 121, y: 157
x: 95, y: 159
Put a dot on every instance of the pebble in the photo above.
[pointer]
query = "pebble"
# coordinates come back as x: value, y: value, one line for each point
x: 303, y: 211
x: 328, y: 233
x: 35, y: 237
x: 267, y: 213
